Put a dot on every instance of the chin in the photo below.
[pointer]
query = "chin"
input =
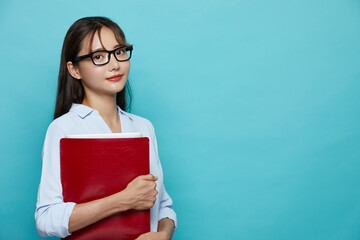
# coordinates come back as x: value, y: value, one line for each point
x: 117, y: 86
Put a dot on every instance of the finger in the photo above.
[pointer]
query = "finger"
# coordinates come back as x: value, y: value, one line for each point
x: 142, y: 177
x: 150, y: 177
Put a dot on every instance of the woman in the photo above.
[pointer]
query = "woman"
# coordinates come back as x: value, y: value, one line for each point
x: 91, y: 95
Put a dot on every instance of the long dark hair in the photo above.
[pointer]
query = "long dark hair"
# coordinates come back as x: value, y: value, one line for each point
x: 71, y: 90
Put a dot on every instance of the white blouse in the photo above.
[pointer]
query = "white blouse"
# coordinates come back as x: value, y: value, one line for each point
x: 52, y: 213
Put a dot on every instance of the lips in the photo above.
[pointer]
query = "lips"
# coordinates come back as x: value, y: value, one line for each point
x: 115, y: 78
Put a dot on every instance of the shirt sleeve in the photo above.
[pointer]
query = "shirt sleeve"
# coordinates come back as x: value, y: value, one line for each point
x: 52, y: 214
x: 166, y: 204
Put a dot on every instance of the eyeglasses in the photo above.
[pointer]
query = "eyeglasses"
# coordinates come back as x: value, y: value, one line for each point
x: 102, y: 57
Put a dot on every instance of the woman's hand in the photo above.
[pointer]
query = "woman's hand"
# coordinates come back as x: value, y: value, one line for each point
x: 154, y: 236
x: 140, y: 193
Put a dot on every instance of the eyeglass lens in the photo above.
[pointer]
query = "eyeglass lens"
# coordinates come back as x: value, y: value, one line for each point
x: 103, y: 57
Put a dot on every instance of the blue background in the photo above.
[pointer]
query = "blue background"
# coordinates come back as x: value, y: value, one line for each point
x: 256, y: 106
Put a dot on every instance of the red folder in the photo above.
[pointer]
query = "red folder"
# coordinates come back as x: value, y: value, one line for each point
x: 94, y: 168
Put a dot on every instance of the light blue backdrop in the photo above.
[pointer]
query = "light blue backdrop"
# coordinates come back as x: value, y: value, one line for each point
x: 256, y: 106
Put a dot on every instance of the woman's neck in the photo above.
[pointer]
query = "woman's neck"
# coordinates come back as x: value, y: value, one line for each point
x: 107, y: 108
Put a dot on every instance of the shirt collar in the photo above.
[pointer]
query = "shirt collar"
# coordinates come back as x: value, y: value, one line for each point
x: 81, y: 110
x: 84, y: 111
x: 124, y: 113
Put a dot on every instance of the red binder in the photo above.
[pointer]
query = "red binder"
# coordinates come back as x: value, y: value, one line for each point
x: 94, y: 168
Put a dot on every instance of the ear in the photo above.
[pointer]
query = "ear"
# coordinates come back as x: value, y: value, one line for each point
x: 73, y: 70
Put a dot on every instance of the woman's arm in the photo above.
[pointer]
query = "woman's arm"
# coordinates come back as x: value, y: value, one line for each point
x: 85, y: 214
x: 139, y: 194
x: 167, y: 216
x: 53, y: 216
x: 166, y: 225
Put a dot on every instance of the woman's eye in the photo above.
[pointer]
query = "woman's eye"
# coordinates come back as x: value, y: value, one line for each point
x: 119, y: 52
x: 97, y: 57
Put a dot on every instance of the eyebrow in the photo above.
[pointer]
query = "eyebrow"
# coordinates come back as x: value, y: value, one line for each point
x: 102, y: 48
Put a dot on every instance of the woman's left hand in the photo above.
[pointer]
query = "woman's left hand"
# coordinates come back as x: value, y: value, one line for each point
x: 154, y: 236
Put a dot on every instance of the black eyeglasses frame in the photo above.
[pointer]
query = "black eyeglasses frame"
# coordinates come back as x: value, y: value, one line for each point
x: 129, y: 48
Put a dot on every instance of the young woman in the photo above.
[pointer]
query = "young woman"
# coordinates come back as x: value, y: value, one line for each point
x: 91, y: 95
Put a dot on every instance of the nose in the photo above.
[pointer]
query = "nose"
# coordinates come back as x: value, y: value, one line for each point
x: 113, y: 63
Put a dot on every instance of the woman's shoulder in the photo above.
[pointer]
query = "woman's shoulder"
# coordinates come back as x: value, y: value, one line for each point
x: 62, y: 123
x: 137, y: 118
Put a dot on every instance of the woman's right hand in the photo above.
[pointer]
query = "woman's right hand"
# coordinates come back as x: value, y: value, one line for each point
x: 140, y: 193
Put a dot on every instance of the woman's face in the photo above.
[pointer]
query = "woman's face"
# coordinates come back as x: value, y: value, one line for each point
x: 95, y: 79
